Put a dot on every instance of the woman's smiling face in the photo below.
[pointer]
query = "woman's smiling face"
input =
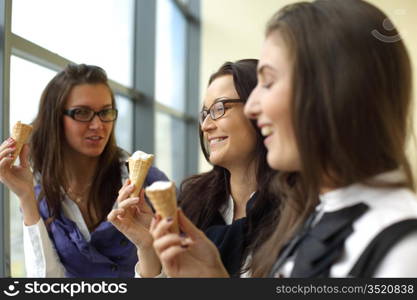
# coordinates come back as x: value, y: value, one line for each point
x: 270, y: 104
x: 231, y: 139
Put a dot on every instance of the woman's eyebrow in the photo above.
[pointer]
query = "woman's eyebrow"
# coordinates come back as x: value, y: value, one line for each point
x: 215, y: 101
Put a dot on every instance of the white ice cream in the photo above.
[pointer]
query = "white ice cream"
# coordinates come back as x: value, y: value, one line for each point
x: 160, y: 185
x: 141, y: 155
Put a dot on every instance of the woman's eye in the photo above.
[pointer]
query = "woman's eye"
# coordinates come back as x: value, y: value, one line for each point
x: 267, y: 85
x: 82, y: 112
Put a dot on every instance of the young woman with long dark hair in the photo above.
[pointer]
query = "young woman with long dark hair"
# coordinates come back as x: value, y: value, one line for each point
x: 235, y: 202
x: 78, y: 170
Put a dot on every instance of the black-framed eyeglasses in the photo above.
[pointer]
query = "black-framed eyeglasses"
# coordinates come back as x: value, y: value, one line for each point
x: 85, y: 114
x: 217, y: 109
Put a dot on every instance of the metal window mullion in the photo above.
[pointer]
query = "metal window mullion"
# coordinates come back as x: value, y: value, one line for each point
x: 5, y: 26
x: 192, y: 90
x: 34, y: 53
x: 189, y: 11
x: 183, y: 116
x: 144, y: 75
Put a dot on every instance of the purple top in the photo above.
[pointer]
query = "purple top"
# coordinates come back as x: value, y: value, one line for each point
x: 108, y: 253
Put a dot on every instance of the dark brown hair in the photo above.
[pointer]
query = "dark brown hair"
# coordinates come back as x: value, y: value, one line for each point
x: 48, y: 140
x: 350, y: 107
x: 201, y: 196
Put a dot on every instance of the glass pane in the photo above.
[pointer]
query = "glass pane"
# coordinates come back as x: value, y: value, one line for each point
x: 98, y: 32
x: 124, y: 123
x: 170, y: 55
x: 27, y: 81
x: 17, y: 266
x: 170, y: 147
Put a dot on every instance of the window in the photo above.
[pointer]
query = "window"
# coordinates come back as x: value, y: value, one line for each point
x: 170, y: 56
x: 45, y: 35
x: 23, y: 107
x: 96, y: 32
x: 170, y: 147
x: 124, y: 123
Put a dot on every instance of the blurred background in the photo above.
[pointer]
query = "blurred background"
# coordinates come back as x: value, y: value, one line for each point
x: 158, y: 54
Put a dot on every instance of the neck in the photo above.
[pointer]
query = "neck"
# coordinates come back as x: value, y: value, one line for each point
x: 325, y: 189
x: 80, y: 170
x: 242, y: 183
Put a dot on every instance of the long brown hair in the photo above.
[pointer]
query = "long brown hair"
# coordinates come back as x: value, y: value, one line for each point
x: 350, y: 106
x: 48, y: 139
x: 201, y: 196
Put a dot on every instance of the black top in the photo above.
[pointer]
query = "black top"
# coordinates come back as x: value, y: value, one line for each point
x: 231, y: 240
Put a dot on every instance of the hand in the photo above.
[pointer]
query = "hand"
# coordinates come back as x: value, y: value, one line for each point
x: 18, y: 179
x: 189, y: 254
x: 132, y: 217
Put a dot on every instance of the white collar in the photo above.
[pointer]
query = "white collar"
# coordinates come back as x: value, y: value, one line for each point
x: 228, y: 209
x: 348, y: 195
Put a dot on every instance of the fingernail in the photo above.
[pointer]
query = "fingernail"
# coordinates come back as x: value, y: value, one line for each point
x: 170, y: 219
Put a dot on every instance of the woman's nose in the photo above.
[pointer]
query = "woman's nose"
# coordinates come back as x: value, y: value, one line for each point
x: 252, y: 107
x: 95, y: 122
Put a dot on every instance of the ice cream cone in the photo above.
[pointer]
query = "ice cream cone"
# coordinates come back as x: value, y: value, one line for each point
x: 139, y: 164
x: 162, y: 195
x: 20, y: 134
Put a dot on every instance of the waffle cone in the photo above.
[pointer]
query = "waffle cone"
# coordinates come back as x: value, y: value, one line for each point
x: 20, y: 133
x: 165, y: 204
x: 138, y: 170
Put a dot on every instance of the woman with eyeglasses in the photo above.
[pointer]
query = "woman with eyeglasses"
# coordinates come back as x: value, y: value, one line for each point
x: 78, y: 170
x: 334, y: 104
x: 234, y: 203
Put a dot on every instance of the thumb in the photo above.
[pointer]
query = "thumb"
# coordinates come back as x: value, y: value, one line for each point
x: 143, y: 205
x: 24, y: 156
x: 188, y: 227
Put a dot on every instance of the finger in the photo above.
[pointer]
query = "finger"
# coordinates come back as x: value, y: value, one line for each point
x: 188, y: 227
x: 167, y: 241
x: 7, y: 143
x: 143, y: 205
x: 154, y: 223
x: 128, y: 203
x: 7, y: 151
x: 162, y: 228
x: 5, y: 163
x: 112, y: 216
x: 125, y: 184
x: 169, y: 255
x: 125, y: 192
x: 24, y: 156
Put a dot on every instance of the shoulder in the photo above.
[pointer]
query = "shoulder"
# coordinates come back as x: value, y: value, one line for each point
x: 401, y: 260
x: 388, y: 207
x: 154, y: 174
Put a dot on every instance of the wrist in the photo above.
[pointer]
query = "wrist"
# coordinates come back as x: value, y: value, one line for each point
x: 149, y: 264
x: 29, y: 208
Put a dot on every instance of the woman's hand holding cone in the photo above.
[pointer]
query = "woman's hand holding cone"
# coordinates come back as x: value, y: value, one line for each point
x: 189, y: 254
x: 132, y: 217
x: 19, y: 179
